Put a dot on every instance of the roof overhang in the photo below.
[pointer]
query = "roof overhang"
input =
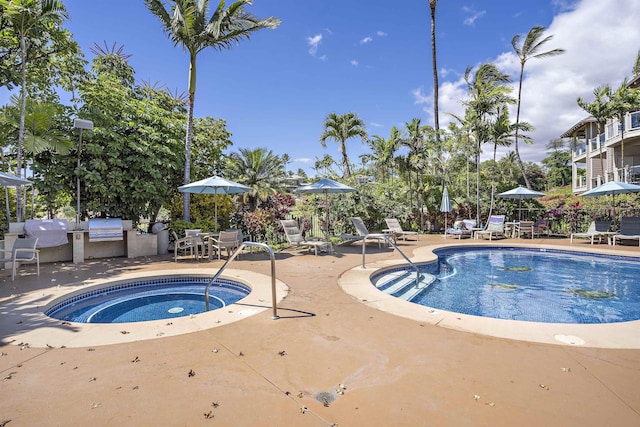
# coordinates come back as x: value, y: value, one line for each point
x: 582, y: 123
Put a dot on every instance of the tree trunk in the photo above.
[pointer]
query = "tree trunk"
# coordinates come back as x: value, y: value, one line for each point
x: 517, y: 151
x: 23, y: 112
x: 186, y: 201
x: 436, y: 120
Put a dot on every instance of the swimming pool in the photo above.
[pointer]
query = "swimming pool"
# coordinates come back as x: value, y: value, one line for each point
x: 152, y: 298
x: 528, y: 284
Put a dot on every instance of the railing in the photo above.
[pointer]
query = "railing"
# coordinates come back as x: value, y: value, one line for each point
x: 389, y: 240
x: 232, y: 257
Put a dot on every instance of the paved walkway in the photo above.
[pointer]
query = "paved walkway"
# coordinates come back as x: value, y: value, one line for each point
x: 329, y: 360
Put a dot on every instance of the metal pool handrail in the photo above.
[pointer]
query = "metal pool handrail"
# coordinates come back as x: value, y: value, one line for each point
x: 387, y: 237
x: 232, y: 257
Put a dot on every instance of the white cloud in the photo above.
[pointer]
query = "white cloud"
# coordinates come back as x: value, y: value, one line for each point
x: 313, y: 43
x: 382, y: 34
x: 354, y: 62
x: 375, y: 125
x: 323, y: 58
x: 552, y: 85
x: 303, y: 160
x: 366, y: 40
x: 474, y: 15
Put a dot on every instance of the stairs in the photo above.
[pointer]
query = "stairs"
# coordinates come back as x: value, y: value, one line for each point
x: 402, y: 283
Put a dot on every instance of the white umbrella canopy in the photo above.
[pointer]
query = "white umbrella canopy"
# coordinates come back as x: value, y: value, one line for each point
x: 325, y: 186
x: 445, y: 206
x: 8, y: 180
x: 214, y: 185
x: 520, y: 193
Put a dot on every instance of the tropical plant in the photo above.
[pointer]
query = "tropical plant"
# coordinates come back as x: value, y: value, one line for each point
x: 530, y: 48
x: 29, y: 21
x: 128, y: 162
x: 341, y: 128
x: 187, y: 23
x: 259, y: 169
x: 488, y: 93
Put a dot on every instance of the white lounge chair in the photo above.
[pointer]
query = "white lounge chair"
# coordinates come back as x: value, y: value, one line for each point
x: 629, y: 229
x: 363, y: 233
x: 597, y: 229
x: 294, y: 236
x: 494, y: 228
x: 396, y: 229
x: 23, y: 251
x: 461, y: 229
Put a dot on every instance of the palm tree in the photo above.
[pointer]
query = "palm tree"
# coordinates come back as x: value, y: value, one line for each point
x: 599, y: 109
x: 340, y: 128
x: 530, y: 47
x: 501, y: 132
x: 487, y: 93
x: 436, y: 121
x: 416, y: 158
x: 28, y: 19
x: 621, y: 101
x: 187, y: 24
x: 259, y: 169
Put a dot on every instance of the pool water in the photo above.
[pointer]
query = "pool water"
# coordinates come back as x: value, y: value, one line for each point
x: 535, y: 285
x: 149, y: 299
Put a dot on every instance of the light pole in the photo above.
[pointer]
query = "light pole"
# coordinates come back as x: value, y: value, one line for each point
x: 80, y: 124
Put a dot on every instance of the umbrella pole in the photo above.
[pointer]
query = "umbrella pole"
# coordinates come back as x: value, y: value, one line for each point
x: 216, y: 204
x: 326, y: 233
x: 445, y: 224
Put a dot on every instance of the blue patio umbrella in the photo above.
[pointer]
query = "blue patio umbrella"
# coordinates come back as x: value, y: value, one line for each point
x: 8, y: 180
x: 520, y: 193
x: 325, y: 186
x: 214, y: 185
x: 612, y: 188
x: 445, y: 206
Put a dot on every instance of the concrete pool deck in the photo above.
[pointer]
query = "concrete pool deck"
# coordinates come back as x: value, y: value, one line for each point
x: 261, y: 372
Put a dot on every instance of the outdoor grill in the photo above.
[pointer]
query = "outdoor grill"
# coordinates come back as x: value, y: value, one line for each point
x: 105, y: 229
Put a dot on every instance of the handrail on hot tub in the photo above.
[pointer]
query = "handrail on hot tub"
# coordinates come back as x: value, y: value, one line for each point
x: 232, y: 257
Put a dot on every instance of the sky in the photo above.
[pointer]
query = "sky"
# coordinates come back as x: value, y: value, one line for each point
x: 373, y: 57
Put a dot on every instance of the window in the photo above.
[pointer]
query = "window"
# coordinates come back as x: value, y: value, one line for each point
x: 635, y: 120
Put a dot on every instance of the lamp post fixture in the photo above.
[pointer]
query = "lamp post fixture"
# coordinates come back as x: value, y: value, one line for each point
x: 80, y: 124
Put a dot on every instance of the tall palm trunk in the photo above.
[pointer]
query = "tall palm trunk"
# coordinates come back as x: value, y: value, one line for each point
x: 23, y: 113
x: 517, y: 151
x: 186, y: 201
x: 478, y: 184
x: 436, y: 120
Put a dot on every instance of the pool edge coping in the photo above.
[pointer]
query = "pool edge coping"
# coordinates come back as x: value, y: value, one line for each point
x: 622, y: 335
x: 24, y: 321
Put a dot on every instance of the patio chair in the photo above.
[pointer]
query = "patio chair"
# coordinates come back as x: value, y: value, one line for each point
x: 229, y: 240
x: 463, y: 228
x: 541, y: 227
x: 494, y: 228
x: 396, y: 229
x: 184, y: 246
x: 363, y: 233
x: 200, y: 243
x: 629, y: 229
x: 597, y: 229
x: 524, y: 228
x: 295, y: 238
x: 23, y: 251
